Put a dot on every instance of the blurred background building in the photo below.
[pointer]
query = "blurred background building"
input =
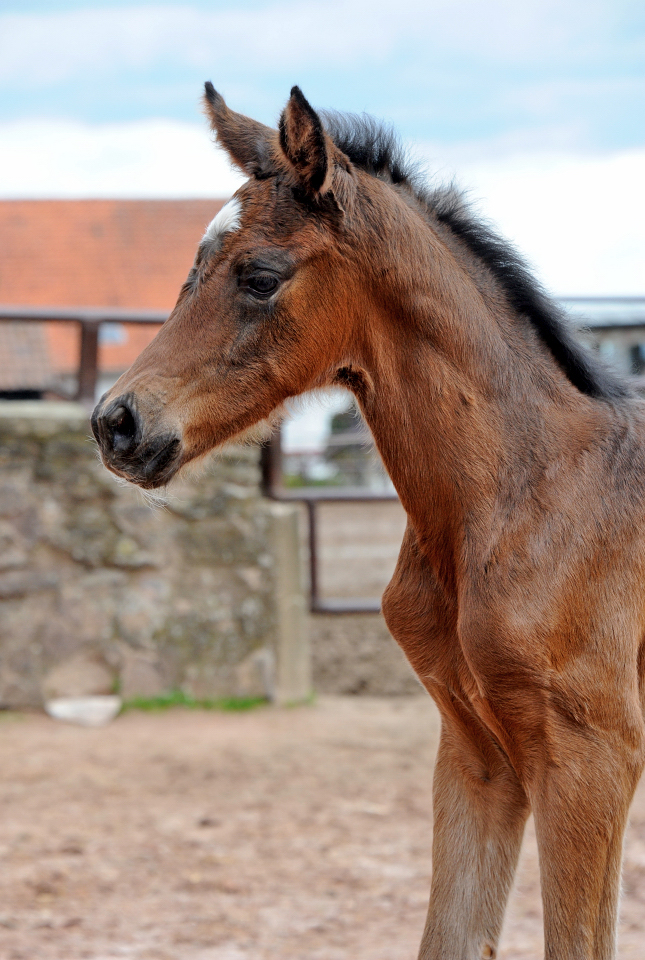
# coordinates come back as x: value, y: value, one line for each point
x: 129, y: 254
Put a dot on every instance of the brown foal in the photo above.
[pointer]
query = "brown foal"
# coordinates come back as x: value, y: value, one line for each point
x: 518, y: 596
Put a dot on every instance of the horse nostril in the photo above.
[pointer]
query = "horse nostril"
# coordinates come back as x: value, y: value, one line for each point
x: 122, y: 424
x: 117, y: 430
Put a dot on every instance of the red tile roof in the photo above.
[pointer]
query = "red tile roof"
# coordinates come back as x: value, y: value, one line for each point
x: 123, y: 253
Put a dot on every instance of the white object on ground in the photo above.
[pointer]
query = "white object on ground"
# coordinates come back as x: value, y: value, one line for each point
x: 86, y: 711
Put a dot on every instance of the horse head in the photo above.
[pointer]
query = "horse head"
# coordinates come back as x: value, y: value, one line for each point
x: 269, y: 308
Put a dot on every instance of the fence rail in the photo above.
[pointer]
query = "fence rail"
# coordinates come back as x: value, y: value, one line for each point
x: 312, y: 497
x: 89, y: 319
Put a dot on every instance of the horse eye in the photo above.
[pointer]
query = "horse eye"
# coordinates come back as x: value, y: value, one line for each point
x: 262, y: 285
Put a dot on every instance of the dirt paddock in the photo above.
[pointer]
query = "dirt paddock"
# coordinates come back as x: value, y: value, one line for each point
x: 294, y: 833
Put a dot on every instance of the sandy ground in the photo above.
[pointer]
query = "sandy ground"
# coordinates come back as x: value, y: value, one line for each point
x: 282, y: 833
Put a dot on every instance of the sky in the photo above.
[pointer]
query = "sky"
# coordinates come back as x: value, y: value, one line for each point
x: 537, y: 108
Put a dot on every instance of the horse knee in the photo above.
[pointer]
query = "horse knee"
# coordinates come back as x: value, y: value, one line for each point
x: 420, y: 630
x: 635, y: 742
x: 401, y: 609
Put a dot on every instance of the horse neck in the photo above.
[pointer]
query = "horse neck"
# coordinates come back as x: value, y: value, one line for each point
x: 464, y: 401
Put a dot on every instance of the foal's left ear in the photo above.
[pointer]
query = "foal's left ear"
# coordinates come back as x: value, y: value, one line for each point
x: 247, y: 142
x: 305, y: 144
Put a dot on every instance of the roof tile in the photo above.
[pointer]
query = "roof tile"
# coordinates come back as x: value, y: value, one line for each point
x: 122, y: 253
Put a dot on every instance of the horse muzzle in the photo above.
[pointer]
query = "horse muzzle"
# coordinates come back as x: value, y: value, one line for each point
x: 129, y: 448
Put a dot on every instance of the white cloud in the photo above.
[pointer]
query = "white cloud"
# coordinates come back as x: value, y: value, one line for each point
x: 154, y: 158
x: 579, y: 220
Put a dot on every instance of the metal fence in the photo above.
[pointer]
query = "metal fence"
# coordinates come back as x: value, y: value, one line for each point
x: 312, y: 497
x: 89, y: 320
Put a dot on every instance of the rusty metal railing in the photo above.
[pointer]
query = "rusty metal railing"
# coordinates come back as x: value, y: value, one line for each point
x: 89, y: 319
x: 311, y: 498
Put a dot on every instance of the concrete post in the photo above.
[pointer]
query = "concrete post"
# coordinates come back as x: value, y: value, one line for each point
x: 293, y: 676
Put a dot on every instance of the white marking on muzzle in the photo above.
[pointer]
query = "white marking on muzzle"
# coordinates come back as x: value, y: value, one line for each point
x: 227, y: 220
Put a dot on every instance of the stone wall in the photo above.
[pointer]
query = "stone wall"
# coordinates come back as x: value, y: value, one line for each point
x: 355, y: 654
x: 203, y: 594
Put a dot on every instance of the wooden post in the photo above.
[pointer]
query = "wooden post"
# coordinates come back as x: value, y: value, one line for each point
x: 88, y: 362
x: 271, y: 464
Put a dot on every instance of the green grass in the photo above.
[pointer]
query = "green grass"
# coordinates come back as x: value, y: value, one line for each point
x: 177, y: 698
x: 294, y: 481
x: 308, y: 701
x: 10, y: 716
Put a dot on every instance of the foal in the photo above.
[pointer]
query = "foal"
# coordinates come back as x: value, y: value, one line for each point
x: 518, y: 596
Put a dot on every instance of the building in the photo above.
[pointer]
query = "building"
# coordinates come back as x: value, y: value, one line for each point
x: 127, y: 254
x: 616, y: 327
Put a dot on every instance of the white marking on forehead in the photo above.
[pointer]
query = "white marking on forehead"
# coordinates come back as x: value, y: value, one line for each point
x: 227, y: 219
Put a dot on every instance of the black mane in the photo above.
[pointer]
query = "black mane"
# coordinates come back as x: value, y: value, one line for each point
x: 375, y: 147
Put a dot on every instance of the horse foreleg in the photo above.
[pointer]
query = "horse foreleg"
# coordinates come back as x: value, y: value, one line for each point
x: 480, y: 807
x: 581, y: 806
x: 480, y: 810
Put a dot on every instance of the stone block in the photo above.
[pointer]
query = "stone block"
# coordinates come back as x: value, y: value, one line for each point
x: 141, y: 673
x: 85, y: 674
x: 255, y: 675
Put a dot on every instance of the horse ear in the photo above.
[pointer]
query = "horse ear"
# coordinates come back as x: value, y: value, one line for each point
x: 246, y: 141
x: 305, y: 144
